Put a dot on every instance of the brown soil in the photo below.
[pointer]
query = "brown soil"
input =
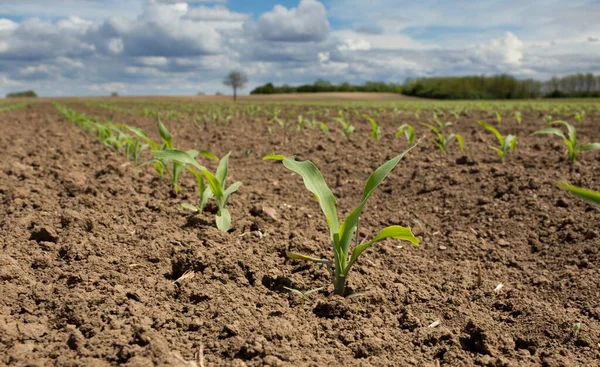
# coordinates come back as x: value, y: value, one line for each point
x: 91, y: 249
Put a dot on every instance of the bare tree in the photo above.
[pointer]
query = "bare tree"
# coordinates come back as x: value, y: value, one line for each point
x: 235, y: 80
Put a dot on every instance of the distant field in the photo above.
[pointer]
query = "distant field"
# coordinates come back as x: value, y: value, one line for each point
x: 358, y: 97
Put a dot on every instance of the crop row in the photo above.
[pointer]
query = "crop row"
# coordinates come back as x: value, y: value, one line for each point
x: 13, y: 107
x: 344, y: 235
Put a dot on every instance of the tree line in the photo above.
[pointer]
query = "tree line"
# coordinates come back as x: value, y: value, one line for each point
x: 323, y: 86
x: 502, y: 86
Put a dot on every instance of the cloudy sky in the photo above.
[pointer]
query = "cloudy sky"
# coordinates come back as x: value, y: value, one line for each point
x: 140, y: 47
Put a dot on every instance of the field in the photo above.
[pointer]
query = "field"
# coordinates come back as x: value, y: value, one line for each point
x: 101, y: 264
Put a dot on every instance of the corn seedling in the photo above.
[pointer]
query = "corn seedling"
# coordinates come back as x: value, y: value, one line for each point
x: 324, y: 128
x: 442, y: 126
x: 507, y: 143
x: 580, y: 116
x: 348, y: 129
x: 409, y: 132
x: 498, y: 118
x: 518, y: 117
x: 341, y: 235
x: 443, y: 141
x: 548, y: 119
x: 573, y: 145
x: 375, y: 129
x: 589, y: 195
x: 301, y: 123
x: 303, y: 295
x: 216, y: 182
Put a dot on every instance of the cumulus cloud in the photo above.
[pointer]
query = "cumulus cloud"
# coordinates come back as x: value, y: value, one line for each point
x: 307, y: 22
x: 172, y: 46
x: 215, y: 13
x: 506, y: 50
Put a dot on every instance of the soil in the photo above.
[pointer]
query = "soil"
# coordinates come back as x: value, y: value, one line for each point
x: 100, y: 265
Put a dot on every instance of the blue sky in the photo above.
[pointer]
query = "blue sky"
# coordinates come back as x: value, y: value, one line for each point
x: 137, y: 47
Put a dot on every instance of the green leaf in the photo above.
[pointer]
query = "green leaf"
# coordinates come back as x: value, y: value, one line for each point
x: 461, y: 142
x: 215, y: 187
x: 222, y: 170
x: 208, y: 154
x: 551, y: 130
x: 348, y: 226
x: 173, y: 155
x: 295, y: 291
x: 296, y: 256
x: 223, y: 220
x: 590, y: 147
x: 273, y: 157
x: 511, y: 142
x: 589, y: 195
x: 398, y: 232
x: 493, y: 130
x: 231, y: 189
x: 311, y: 291
x: 204, y: 194
x: 165, y: 134
x: 314, y: 182
x: 431, y: 127
x: 189, y: 207
x: 570, y: 128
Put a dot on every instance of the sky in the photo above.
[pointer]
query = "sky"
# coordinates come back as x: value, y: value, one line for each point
x: 177, y: 47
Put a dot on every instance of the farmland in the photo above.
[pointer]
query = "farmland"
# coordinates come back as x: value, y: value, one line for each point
x: 103, y: 265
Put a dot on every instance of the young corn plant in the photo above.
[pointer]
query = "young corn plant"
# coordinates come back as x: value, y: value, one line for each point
x: 588, y: 195
x: 518, y: 117
x: 507, y: 143
x: 499, y: 118
x: 442, y: 141
x: 409, y: 132
x: 216, y: 183
x: 375, y: 129
x: 324, y: 128
x: 442, y: 126
x: 548, y: 119
x: 580, y: 116
x: 573, y: 145
x: 341, y: 235
x: 348, y: 129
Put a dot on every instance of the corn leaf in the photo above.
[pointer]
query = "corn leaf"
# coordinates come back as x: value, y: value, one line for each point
x: 589, y: 195
x: 177, y: 156
x: 296, y: 256
x: 314, y: 182
x: 222, y: 169
x: 189, y: 207
x: 223, y: 220
x: 590, y: 147
x: 165, y: 134
x: 398, y: 232
x: 492, y: 129
x: 348, y: 226
x: 551, y: 130
x: 461, y: 142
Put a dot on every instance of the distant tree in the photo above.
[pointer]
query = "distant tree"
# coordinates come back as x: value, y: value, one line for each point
x: 114, y: 94
x: 200, y: 93
x: 218, y: 94
x: 235, y: 80
x: 27, y: 93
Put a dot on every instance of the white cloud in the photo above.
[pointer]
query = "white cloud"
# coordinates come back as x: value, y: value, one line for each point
x: 356, y: 44
x: 507, y: 50
x: 170, y: 46
x: 216, y: 13
x: 307, y: 22
x: 107, y: 87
